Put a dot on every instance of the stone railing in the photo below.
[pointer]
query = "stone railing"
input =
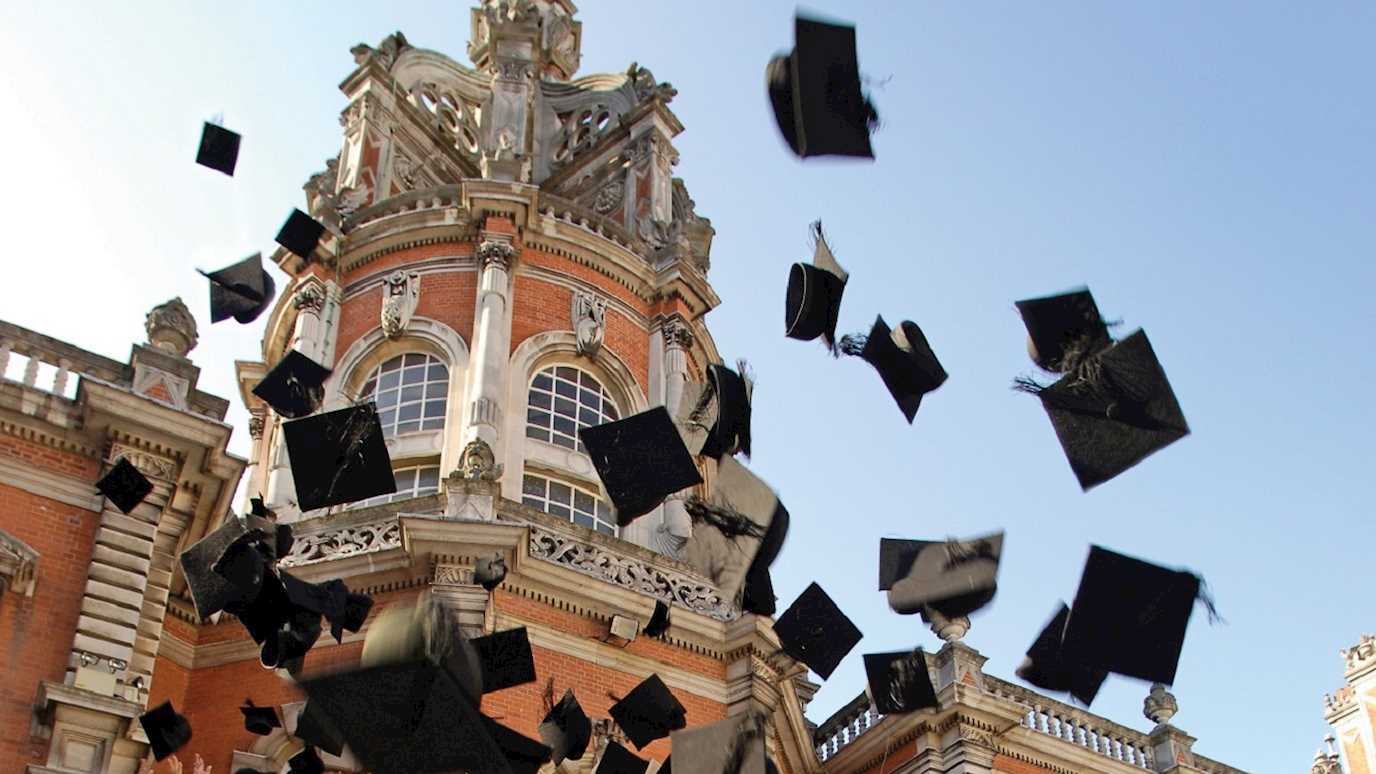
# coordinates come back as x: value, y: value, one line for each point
x: 562, y: 209
x: 344, y: 542
x: 438, y: 198
x: 845, y: 726
x: 1075, y: 726
x: 62, y: 360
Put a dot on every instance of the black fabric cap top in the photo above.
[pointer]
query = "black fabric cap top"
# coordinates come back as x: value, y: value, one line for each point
x: 124, y: 485
x: 306, y: 762
x: 729, y: 526
x: 641, y: 460
x: 956, y: 577
x: 219, y: 149
x: 730, y: 432
x: 816, y: 96
x: 211, y: 591
x: 294, y: 387
x: 300, y: 234
x: 260, y: 720
x: 566, y: 729
x: 489, y: 571
x: 618, y: 760
x: 242, y: 291
x: 166, y: 730
x: 905, y: 362
x: 523, y: 754
x: 896, y: 559
x: 313, y: 728
x: 339, y: 457
x: 1047, y: 667
x: 812, y: 302
x: 813, y: 630
x: 1130, y: 616
x: 1113, y: 420
x: 899, y: 681
x: 1061, y: 325
x: 732, y: 745
x: 758, y: 597
x: 506, y: 659
x: 649, y: 712
x: 659, y: 620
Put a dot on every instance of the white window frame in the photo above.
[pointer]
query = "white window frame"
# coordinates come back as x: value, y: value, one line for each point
x: 554, y: 411
x: 434, y: 393
x: 413, y: 490
x: 600, y: 514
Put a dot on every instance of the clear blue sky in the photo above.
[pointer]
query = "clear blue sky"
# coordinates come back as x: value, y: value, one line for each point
x: 1206, y: 168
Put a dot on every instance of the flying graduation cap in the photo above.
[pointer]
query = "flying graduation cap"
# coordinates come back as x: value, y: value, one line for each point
x: 813, y: 630
x: 315, y: 730
x: 733, y: 745
x: 241, y: 291
x: 641, y: 460
x: 300, y: 234
x: 339, y: 457
x: 124, y: 485
x: 1112, y: 406
x: 295, y: 387
x: 306, y: 762
x: 659, y: 620
x: 219, y: 149
x: 730, y: 525
x: 816, y: 96
x: 904, y: 360
x: 812, y: 302
x: 899, y: 681
x: 523, y: 754
x: 616, y: 759
x: 506, y: 659
x: 648, y: 712
x: 166, y: 730
x: 566, y: 729
x: 758, y: 595
x: 714, y: 416
x: 259, y: 720
x: 241, y: 571
x: 955, y: 577
x: 1047, y: 667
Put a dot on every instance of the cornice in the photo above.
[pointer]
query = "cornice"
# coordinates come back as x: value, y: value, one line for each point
x: 51, y: 440
x: 44, y: 482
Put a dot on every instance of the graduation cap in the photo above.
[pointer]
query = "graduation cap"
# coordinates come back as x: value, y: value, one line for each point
x: 124, y: 485
x: 1047, y: 667
x: 1129, y: 616
x: 1113, y: 411
x: 641, y: 460
x: 812, y: 302
x: 166, y: 730
x: 955, y: 577
x: 295, y: 387
x: 332, y: 599
x: 306, y: 762
x: 489, y: 571
x: 566, y: 729
x: 523, y: 754
x: 219, y: 148
x: 618, y: 760
x: 758, y: 596
x: 241, y: 291
x: 659, y: 620
x: 506, y: 659
x: 315, y: 730
x: 649, y: 712
x: 211, y: 591
x: 899, y: 681
x: 1063, y: 329
x: 259, y: 720
x: 300, y: 234
x: 733, y: 745
x: 287, y: 645
x: 815, y: 93
x: 729, y: 526
x: 904, y: 360
x: 426, y: 630
x: 258, y: 508
x: 813, y: 630
x: 283, y: 540
x: 719, y: 415
x: 339, y: 457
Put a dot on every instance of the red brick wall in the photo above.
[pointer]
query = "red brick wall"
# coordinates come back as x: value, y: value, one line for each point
x: 36, y: 632
x: 56, y: 460
x: 542, y: 306
x: 357, y: 316
x: 1006, y: 765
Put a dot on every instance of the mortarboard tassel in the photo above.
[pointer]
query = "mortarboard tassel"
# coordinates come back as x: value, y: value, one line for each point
x: 727, y: 520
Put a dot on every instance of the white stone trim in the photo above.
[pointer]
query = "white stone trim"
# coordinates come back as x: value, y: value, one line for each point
x: 54, y: 486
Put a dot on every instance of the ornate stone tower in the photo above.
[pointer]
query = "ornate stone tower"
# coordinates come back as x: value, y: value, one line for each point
x: 1351, y: 709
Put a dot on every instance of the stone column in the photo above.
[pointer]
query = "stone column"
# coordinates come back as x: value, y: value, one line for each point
x: 454, y: 588
x: 674, y: 526
x: 491, y: 341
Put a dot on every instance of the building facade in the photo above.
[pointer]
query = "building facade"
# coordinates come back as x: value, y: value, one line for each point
x: 1351, y: 711
x: 508, y: 258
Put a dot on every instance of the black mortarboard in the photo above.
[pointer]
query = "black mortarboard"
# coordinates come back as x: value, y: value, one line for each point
x: 287, y: 645
x: 506, y: 659
x: 405, y: 634
x: 896, y: 558
x: 904, y: 360
x: 899, y: 681
x: 815, y: 93
x: 732, y: 745
x: 1061, y: 325
x: 259, y: 720
x: 241, y: 291
x: 258, y: 508
x: 659, y: 620
x: 211, y: 591
x: 124, y: 485
x: 1129, y: 616
x: 266, y: 613
x: 618, y: 760
x: 955, y: 577
x: 1114, y: 413
x: 356, y: 607
x: 1047, y: 667
x: 566, y: 729
x: 166, y: 730
x: 294, y: 387
x: 283, y: 541
x: 641, y: 460
x: 306, y: 762
x: 649, y: 712
x: 523, y: 754
x: 729, y: 526
x: 300, y: 234
x: 316, y: 730
x: 813, y: 630
x: 332, y: 599
x: 758, y: 596
x: 219, y: 149
x: 730, y: 430
x: 489, y: 571
x: 813, y: 299
x: 339, y: 457
x: 243, y: 564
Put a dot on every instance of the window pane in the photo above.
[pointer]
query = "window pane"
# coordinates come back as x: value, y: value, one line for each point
x: 391, y: 365
x: 543, y: 382
x: 533, y: 486
x: 589, y: 398
x: 558, y: 510
x: 565, y: 441
x: 537, y: 418
x: 532, y: 502
x: 565, y: 407
x: 369, y: 387
x: 537, y: 433
x: 566, y: 389
x: 410, y: 394
x: 589, y: 418
x: 539, y: 399
x: 564, y: 372
x: 611, y: 412
x: 606, y: 528
x: 413, y: 375
x: 582, y: 521
x: 434, y: 409
x: 408, y: 412
x: 387, y: 418
x: 408, y: 427
x: 386, y: 400
x: 561, y: 492
x: 582, y: 501
x: 435, y: 390
x: 438, y: 372
x: 415, y: 358
x: 563, y: 425
x: 428, y: 477
x: 388, y: 381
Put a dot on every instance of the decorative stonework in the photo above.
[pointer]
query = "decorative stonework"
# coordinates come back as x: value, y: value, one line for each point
x: 1360, y: 654
x: 453, y: 575
x: 400, y: 295
x: 148, y: 464
x: 18, y: 565
x: 589, y: 317
x: 677, y: 333
x: 646, y: 87
x: 171, y: 328
x: 494, y: 252
x: 676, y: 588
x: 310, y: 298
x: 343, y: 542
x: 610, y: 197
x: 1160, y: 705
x: 948, y: 629
x: 477, y: 462
x: 257, y: 420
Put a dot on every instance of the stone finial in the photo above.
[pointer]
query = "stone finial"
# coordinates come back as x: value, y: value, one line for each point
x: 948, y: 629
x: 171, y: 328
x: 1160, y: 705
x: 1326, y: 760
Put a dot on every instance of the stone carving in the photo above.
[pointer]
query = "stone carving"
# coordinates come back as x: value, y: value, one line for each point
x: 589, y: 318
x: 646, y: 87
x: 948, y: 629
x: 610, y: 197
x: 976, y: 736
x: 346, y: 541
x: 1160, y: 705
x: 148, y: 464
x: 310, y: 298
x: 171, y: 328
x: 385, y: 54
x: 515, y: 70
x: 673, y: 587
x: 478, y: 463
x: 677, y: 333
x: 18, y: 565
x: 1356, y: 655
x: 351, y: 200
x: 1326, y: 760
x: 256, y: 423
x: 453, y: 575
x: 400, y: 294
x: 495, y: 252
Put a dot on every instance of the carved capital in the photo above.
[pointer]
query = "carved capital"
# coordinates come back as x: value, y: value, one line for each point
x: 677, y: 333
x: 310, y: 298
x: 148, y: 464
x: 492, y: 252
x: 257, y: 420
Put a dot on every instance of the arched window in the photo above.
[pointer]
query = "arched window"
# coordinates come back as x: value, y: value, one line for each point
x: 578, y: 505
x: 411, y: 391
x: 412, y: 481
x: 563, y: 399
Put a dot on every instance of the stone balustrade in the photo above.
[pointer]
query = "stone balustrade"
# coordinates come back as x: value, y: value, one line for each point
x: 845, y: 726
x: 1076, y: 726
x: 63, y: 360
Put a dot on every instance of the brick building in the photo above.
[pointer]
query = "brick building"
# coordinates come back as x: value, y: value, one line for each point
x: 1351, y: 711
x: 508, y: 257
